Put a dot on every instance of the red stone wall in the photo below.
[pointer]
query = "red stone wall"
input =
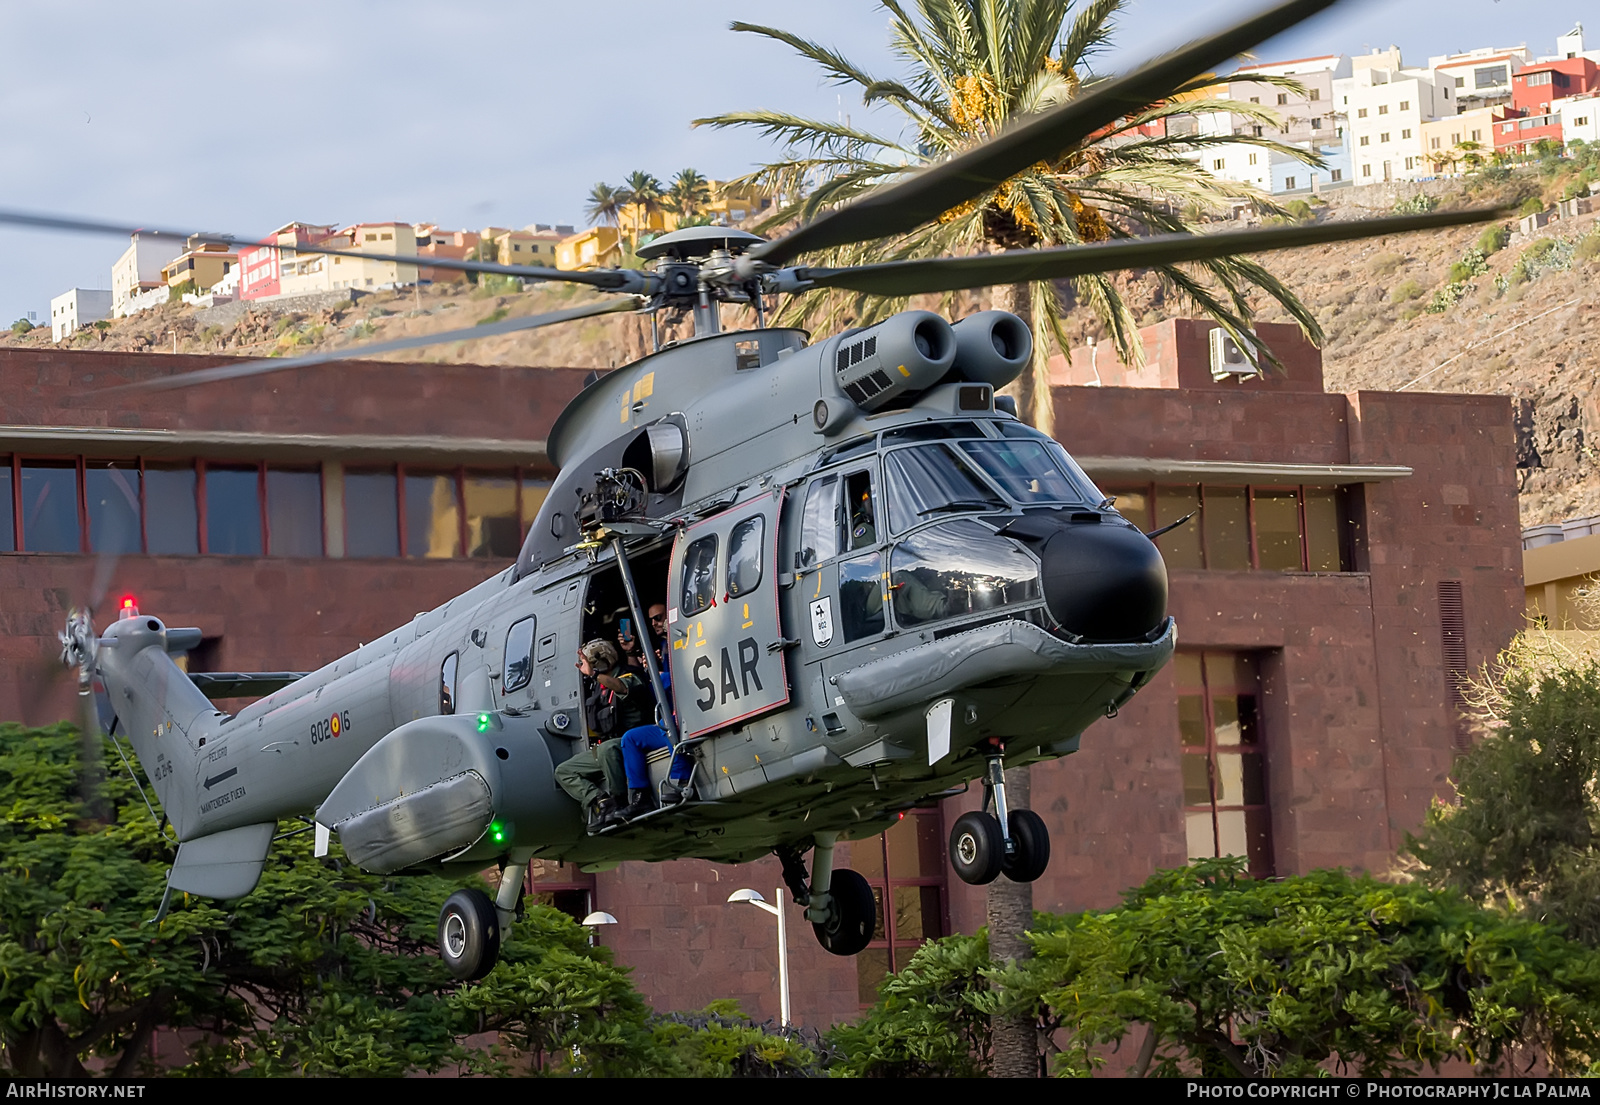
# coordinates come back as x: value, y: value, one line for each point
x: 1177, y: 354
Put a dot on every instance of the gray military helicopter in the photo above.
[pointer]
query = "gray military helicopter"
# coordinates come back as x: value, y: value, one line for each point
x: 881, y: 585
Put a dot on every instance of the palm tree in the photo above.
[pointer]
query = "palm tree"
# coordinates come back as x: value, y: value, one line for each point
x: 605, y: 204
x: 643, y: 196
x: 689, y: 192
x: 973, y: 67
x: 1471, y: 153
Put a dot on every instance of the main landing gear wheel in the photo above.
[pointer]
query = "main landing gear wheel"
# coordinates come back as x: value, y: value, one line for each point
x: 977, y: 848
x: 854, y: 916
x: 1030, y: 842
x: 469, y: 934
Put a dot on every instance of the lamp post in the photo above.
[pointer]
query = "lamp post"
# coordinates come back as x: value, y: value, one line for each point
x: 594, y: 921
x: 754, y: 898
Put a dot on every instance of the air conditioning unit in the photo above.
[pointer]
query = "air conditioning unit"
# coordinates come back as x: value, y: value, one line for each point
x: 1227, y: 359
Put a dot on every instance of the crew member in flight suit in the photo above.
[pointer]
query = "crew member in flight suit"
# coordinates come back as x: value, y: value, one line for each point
x: 619, y: 701
x: 638, y: 742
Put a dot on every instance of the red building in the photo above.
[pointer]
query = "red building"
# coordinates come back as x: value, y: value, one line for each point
x: 261, y: 267
x: 1531, y: 119
x: 1354, y: 556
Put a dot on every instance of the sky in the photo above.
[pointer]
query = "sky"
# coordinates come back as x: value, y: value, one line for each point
x: 239, y: 118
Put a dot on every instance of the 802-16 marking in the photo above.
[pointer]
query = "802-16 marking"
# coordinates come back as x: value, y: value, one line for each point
x: 330, y: 727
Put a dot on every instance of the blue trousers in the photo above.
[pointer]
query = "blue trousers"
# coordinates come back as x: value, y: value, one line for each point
x: 637, y: 743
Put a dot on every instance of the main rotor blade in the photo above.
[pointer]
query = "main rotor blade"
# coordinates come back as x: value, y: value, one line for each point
x: 360, y: 352
x: 943, y: 274
x: 612, y: 279
x: 898, y: 208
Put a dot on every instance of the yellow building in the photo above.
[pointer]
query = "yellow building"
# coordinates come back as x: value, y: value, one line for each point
x: 1442, y: 138
x: 732, y: 204
x: 203, y: 264
x: 598, y: 247
x: 1559, y: 563
x: 526, y: 247
x: 381, y: 238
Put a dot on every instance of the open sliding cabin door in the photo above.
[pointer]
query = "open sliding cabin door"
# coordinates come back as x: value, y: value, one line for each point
x: 722, y: 614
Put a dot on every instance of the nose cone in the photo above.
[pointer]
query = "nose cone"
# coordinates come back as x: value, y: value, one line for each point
x: 1104, y: 582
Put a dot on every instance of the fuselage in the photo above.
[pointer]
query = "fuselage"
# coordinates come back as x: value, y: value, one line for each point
x: 824, y: 589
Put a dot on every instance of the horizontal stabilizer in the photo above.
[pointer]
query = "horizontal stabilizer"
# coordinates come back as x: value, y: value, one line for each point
x: 242, y: 684
x: 223, y: 865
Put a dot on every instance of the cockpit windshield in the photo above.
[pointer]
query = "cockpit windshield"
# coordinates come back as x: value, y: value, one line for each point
x: 957, y: 569
x: 1035, y: 470
x: 929, y: 480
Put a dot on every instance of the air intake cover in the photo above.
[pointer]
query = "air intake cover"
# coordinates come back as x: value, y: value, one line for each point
x: 906, y: 353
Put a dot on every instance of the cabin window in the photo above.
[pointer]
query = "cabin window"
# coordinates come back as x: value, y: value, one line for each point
x: 111, y: 491
x: 819, y: 524
x: 233, y: 510
x: 861, y: 526
x: 744, y: 556
x: 294, y: 512
x: 371, y: 518
x: 1224, y: 772
x: 447, y: 684
x: 1274, y: 529
x: 699, y: 576
x: 861, y: 596
x: 519, y: 656
x: 954, y: 570
x: 433, y: 516
x: 932, y: 479
x: 171, y: 521
x: 1033, y: 472
x: 50, y: 507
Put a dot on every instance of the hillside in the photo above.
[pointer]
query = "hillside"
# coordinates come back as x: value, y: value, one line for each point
x: 1537, y: 340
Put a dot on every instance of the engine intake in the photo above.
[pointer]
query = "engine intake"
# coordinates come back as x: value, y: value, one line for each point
x: 992, y: 347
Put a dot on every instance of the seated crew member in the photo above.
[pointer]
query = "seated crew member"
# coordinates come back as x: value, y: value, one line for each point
x: 638, y: 742
x: 862, y: 530
x: 615, y: 700
x: 629, y: 646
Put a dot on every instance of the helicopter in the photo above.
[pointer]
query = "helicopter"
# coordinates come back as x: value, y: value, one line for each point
x: 880, y: 585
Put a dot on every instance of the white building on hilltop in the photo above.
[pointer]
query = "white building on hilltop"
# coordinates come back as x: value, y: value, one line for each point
x: 77, y: 307
x: 138, y: 270
x: 1385, y: 106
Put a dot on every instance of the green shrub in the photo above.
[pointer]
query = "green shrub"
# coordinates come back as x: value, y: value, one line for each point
x: 1419, y: 204
x: 176, y: 293
x: 1494, y: 238
x: 1405, y: 291
x: 493, y: 316
x: 1588, y: 249
x: 21, y: 326
x: 1385, y: 263
x: 1533, y: 205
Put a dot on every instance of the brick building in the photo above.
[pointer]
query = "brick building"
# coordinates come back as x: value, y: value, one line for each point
x: 1355, y: 553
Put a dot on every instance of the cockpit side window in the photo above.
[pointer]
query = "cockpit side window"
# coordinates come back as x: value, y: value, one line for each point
x: 861, y: 596
x: 744, y: 556
x: 699, y: 576
x: 861, y: 519
x: 819, y: 524
x: 447, y: 683
x: 932, y: 479
x: 519, y: 655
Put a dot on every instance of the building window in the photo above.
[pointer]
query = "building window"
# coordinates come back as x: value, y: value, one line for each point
x: 1536, y: 79
x: 1283, y: 98
x: 1405, y: 133
x: 371, y: 514
x: 1383, y: 109
x: 112, y: 493
x: 491, y: 508
x: 1288, y: 184
x: 1255, y: 99
x: 171, y: 517
x: 49, y: 493
x: 1336, y: 174
x: 432, y: 516
x: 294, y: 512
x: 905, y: 867
x: 1405, y: 105
x: 1270, y: 529
x: 1252, y: 159
x: 8, y: 531
x: 1314, y: 94
x: 1409, y: 161
x: 1316, y: 124
x: 1361, y: 113
x: 1224, y: 771
x: 1363, y: 140
x: 1218, y: 165
x: 233, y: 510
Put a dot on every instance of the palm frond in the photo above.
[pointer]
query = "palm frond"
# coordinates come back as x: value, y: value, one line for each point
x: 799, y: 130
x: 1090, y: 33
x: 840, y: 69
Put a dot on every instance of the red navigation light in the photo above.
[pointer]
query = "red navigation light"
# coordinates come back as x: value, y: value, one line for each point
x: 127, y: 608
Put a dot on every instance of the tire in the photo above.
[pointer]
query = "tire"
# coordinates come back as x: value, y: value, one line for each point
x: 1032, y: 842
x: 469, y: 934
x: 855, y: 914
x: 977, y: 850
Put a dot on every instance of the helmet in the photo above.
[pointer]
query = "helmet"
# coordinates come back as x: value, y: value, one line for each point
x: 601, y: 654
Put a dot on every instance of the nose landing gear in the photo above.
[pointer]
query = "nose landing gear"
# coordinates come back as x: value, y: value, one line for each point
x: 471, y: 925
x: 984, y: 845
x: 844, y: 916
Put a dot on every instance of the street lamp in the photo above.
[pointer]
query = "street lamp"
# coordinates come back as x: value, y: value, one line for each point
x: 754, y: 898
x: 594, y: 921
